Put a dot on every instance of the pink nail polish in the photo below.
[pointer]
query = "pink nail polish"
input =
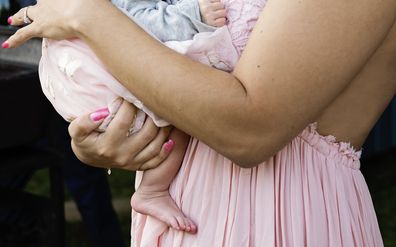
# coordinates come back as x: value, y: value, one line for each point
x: 169, y: 145
x: 103, y: 109
x: 99, y: 114
x: 5, y: 45
x: 9, y: 20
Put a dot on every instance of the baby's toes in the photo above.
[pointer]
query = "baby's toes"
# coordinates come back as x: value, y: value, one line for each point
x: 173, y: 222
x: 181, y: 222
x: 191, y: 227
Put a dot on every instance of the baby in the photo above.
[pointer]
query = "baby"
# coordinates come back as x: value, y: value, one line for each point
x: 76, y: 82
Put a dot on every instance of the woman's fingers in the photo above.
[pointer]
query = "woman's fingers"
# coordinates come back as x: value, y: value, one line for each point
x: 83, y: 156
x: 81, y: 127
x: 157, y: 160
x: 122, y: 121
x: 154, y: 148
x: 141, y: 151
x: 48, y: 18
x: 21, y: 36
x: 27, y: 12
x: 22, y: 17
x: 146, y: 134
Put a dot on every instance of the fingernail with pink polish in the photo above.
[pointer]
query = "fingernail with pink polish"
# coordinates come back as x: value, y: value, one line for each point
x: 103, y: 109
x: 169, y: 145
x: 5, y: 45
x: 100, y: 114
x: 9, y: 20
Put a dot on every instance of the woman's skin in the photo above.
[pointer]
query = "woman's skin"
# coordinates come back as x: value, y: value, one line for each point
x: 355, y: 111
x: 331, y: 62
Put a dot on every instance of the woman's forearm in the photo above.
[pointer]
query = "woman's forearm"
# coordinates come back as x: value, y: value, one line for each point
x: 300, y: 56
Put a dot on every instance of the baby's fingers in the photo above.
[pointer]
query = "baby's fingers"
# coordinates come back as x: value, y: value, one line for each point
x: 220, y: 22
x: 217, y: 6
x: 21, y: 36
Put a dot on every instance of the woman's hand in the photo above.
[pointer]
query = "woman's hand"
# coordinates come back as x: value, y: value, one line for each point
x: 142, y: 150
x: 55, y: 19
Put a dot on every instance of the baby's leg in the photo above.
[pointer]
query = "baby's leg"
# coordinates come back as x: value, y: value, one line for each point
x: 152, y: 197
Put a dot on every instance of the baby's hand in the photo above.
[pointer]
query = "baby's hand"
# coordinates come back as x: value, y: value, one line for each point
x: 213, y: 12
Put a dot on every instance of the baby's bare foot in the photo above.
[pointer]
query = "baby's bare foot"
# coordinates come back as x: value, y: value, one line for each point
x: 213, y: 12
x: 161, y: 206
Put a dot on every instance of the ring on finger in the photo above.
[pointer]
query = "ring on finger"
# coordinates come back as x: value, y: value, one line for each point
x: 26, y: 18
x: 133, y: 129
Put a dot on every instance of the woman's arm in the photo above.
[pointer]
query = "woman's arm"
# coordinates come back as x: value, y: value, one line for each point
x: 300, y: 56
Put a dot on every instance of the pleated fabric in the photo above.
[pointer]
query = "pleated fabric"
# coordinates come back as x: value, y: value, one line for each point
x: 311, y: 193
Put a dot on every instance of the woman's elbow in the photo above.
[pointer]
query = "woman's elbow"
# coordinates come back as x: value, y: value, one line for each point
x: 256, y: 138
x: 251, y: 153
x: 249, y: 160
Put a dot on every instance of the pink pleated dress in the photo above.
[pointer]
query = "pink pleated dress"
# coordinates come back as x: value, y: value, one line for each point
x: 311, y: 193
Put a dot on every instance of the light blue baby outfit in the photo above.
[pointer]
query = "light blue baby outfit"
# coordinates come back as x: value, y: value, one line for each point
x: 166, y: 20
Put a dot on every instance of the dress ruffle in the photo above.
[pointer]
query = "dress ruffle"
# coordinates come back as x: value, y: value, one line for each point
x: 329, y: 146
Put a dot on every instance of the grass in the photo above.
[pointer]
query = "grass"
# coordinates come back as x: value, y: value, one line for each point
x: 380, y: 173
